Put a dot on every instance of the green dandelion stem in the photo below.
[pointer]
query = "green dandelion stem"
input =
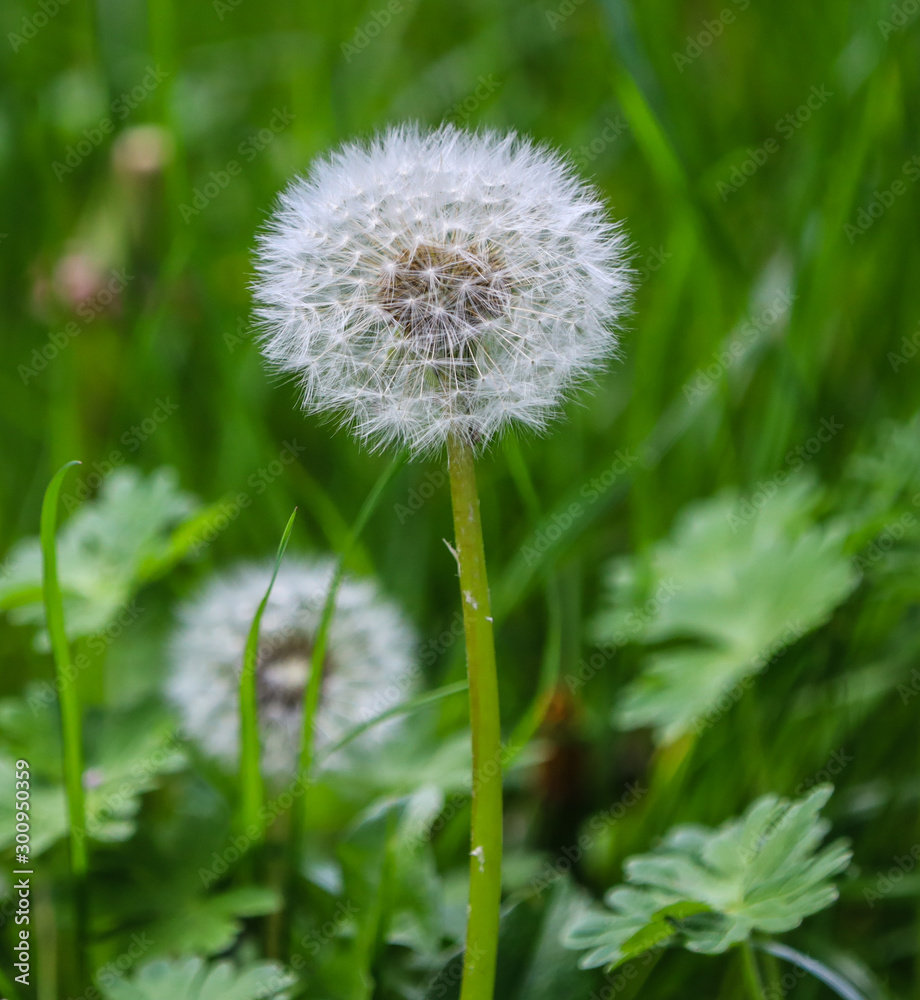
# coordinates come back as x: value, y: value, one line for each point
x: 480, y: 956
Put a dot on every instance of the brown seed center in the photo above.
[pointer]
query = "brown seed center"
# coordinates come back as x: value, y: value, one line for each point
x: 442, y: 295
x: 282, y: 669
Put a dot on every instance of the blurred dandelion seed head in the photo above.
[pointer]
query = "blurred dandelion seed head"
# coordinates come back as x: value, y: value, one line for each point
x: 369, y: 666
x: 434, y: 282
x: 282, y: 671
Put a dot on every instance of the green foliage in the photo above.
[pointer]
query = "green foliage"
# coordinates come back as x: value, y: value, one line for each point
x: 711, y: 889
x: 209, y: 925
x: 734, y: 585
x: 769, y: 299
x: 128, y: 753
x: 193, y: 979
x: 109, y: 547
x: 884, y: 480
x: 392, y: 895
x: 532, y: 962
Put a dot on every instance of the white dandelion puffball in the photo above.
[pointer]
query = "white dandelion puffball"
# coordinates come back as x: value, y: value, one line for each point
x: 436, y: 282
x: 369, y: 668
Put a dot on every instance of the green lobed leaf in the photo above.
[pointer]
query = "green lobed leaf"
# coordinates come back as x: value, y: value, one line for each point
x: 192, y: 979
x: 711, y: 889
x: 731, y: 587
x: 211, y: 924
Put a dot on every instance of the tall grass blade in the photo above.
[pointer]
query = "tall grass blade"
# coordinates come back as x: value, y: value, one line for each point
x: 252, y: 791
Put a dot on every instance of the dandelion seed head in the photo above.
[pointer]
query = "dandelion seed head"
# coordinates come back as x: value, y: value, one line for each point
x: 369, y: 665
x: 426, y: 283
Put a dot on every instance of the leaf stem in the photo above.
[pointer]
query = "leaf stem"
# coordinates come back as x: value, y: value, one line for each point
x: 752, y: 977
x: 479, y: 960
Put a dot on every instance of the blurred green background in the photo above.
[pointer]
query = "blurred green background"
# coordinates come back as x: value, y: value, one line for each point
x: 765, y: 159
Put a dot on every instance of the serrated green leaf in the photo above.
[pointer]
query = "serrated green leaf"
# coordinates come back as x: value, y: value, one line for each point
x: 127, y: 755
x: 880, y: 481
x: 710, y: 889
x: 192, y: 979
x: 731, y: 587
x: 211, y: 924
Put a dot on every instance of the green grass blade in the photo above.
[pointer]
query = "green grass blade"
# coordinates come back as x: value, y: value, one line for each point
x: 314, y: 684
x: 70, y: 703
x: 404, y: 708
x: 311, y: 697
x: 252, y: 792
x: 551, y: 664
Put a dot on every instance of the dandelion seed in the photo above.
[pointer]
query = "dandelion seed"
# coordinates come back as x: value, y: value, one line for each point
x: 369, y: 665
x: 430, y: 283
